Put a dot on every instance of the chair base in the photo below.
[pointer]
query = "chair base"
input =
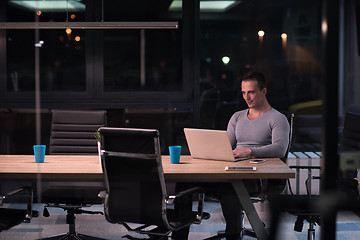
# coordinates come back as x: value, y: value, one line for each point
x: 70, y: 220
x: 249, y: 233
x: 156, y: 232
x: 71, y: 236
x: 222, y: 235
x: 151, y: 237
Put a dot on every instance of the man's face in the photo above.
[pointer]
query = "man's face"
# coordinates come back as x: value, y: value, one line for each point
x: 253, y: 96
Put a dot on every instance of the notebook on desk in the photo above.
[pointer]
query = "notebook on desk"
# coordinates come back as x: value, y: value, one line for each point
x: 209, y: 144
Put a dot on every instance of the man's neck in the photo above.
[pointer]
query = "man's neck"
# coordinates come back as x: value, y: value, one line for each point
x: 257, y: 112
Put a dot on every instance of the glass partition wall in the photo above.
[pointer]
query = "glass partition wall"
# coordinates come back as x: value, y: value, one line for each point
x: 165, y: 57
x: 92, y: 55
x: 170, y: 64
x: 279, y: 38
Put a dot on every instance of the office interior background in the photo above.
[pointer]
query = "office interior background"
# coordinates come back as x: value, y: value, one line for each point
x: 184, y: 72
x: 161, y: 77
x: 170, y: 64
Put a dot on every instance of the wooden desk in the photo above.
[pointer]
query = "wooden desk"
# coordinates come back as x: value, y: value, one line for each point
x: 55, y: 167
x: 88, y: 167
x: 211, y: 170
x: 73, y: 167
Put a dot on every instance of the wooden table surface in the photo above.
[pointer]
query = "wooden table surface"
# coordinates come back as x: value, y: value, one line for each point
x: 215, y: 170
x: 88, y: 167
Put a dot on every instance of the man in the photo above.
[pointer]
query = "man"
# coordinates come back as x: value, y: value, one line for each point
x: 269, y: 129
x: 259, y: 131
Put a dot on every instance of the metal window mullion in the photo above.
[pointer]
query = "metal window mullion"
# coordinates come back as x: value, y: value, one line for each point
x: 142, y: 58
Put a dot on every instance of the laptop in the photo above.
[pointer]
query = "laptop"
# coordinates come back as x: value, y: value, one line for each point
x: 210, y: 144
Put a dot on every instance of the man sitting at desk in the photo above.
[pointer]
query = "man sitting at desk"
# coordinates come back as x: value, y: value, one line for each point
x: 259, y: 131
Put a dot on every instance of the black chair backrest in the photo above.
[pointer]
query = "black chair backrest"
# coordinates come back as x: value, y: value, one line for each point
x: 134, y: 179
x: 73, y: 131
x: 278, y: 185
x: 290, y: 118
x: 351, y: 135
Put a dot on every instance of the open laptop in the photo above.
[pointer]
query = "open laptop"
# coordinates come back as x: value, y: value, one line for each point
x: 210, y: 144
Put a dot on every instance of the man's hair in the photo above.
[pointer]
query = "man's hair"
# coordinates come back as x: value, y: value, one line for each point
x: 255, y: 76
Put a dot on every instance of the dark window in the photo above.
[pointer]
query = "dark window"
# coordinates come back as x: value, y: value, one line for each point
x: 142, y: 60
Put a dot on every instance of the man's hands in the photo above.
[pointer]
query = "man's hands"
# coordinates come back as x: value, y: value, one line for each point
x: 246, y: 152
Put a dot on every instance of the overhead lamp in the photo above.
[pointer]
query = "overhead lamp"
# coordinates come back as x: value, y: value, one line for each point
x: 225, y: 60
x: 206, y: 6
x: 261, y: 33
x: 50, y: 5
x: 284, y: 40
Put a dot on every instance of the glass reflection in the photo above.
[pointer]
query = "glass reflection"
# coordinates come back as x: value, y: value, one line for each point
x: 160, y: 55
x: 62, y: 60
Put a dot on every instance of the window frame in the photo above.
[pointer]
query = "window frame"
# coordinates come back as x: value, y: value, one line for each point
x: 94, y: 95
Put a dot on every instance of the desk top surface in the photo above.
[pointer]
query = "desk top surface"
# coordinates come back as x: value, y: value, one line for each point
x: 79, y: 166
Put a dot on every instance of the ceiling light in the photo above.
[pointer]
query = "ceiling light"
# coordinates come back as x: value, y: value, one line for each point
x: 49, y: 5
x: 206, y: 6
x: 261, y: 33
x: 225, y: 60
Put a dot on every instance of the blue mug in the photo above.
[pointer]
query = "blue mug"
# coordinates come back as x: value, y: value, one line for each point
x: 39, y: 152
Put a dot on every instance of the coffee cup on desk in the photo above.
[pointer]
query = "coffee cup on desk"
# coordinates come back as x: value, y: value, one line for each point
x: 39, y: 152
x: 175, y: 152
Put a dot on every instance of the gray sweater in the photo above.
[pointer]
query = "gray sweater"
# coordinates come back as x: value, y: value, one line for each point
x: 267, y: 135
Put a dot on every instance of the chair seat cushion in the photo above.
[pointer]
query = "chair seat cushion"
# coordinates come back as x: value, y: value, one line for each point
x: 294, y: 204
x: 72, y: 195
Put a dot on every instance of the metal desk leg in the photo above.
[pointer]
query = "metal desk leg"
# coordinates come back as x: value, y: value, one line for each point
x: 250, y: 210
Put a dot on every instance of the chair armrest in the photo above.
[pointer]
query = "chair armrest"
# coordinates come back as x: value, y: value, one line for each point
x: 307, y: 167
x: 12, y: 193
x: 298, y: 167
x: 102, y: 194
x: 170, y: 201
x: 171, y: 198
x: 30, y: 197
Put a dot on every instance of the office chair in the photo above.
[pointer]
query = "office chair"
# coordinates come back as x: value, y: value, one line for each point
x: 10, y: 217
x: 135, y: 185
x: 273, y: 186
x: 305, y: 206
x: 350, y: 143
x: 73, y: 132
x: 266, y: 186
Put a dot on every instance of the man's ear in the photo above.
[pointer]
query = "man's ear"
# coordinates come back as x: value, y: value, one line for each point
x: 264, y: 91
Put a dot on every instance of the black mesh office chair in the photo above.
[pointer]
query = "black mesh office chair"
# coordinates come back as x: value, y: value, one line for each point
x: 350, y: 142
x: 266, y: 186
x: 10, y: 217
x: 273, y: 186
x: 278, y: 185
x: 305, y: 207
x: 73, y: 132
x: 135, y: 184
